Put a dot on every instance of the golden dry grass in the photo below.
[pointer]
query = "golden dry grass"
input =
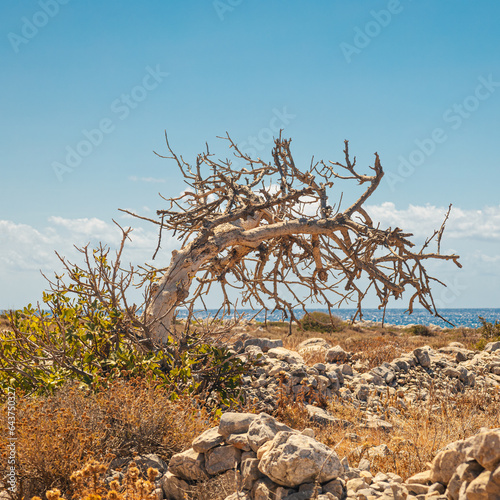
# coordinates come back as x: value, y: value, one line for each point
x: 57, y: 435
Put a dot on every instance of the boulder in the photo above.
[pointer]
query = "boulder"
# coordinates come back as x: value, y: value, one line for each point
x: 483, y: 488
x: 239, y: 441
x: 422, y: 356
x: 263, y: 429
x: 336, y: 355
x: 485, y: 449
x: 208, y: 440
x: 173, y: 487
x: 294, y: 459
x: 235, y: 423
x: 221, y: 459
x: 188, y: 465
x: 250, y: 472
x: 492, y: 346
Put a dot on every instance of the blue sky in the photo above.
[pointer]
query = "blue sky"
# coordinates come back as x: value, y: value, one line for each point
x: 418, y: 82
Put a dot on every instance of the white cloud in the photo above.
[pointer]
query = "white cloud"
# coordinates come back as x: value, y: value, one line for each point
x: 26, y: 248
x: 483, y: 224
x: 134, y: 178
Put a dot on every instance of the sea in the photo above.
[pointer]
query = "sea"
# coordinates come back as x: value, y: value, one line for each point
x: 469, y: 318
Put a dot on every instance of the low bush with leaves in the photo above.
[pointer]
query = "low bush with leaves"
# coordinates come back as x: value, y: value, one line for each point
x: 489, y: 331
x: 87, y: 331
x: 321, y: 322
x: 421, y: 330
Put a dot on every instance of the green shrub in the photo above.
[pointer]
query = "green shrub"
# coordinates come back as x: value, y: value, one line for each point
x: 489, y: 331
x: 88, y: 332
x: 422, y: 330
x: 321, y: 322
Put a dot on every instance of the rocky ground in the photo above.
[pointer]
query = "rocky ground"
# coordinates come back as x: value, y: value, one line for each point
x: 262, y: 458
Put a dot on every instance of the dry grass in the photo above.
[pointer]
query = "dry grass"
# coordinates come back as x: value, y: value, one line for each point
x: 57, y: 435
x: 418, y: 433
x: 374, y: 345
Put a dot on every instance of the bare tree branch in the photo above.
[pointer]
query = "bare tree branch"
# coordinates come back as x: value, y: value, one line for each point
x: 282, y: 235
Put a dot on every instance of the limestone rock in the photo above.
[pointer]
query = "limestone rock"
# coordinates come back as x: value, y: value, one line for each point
x: 250, y: 472
x: 235, y: 423
x: 265, y: 489
x: 173, y: 487
x: 294, y: 459
x: 444, y: 465
x: 486, y: 449
x: 264, y: 343
x: 420, y: 478
x: 315, y: 345
x: 423, y: 357
x: 239, y: 441
x: 336, y: 355
x: 221, y: 459
x: 483, y: 488
x: 207, y: 440
x: 286, y: 355
x: 492, y: 346
x: 188, y: 465
x: 263, y: 428
x: 336, y: 487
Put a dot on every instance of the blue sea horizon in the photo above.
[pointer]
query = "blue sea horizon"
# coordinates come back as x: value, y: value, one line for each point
x: 458, y: 317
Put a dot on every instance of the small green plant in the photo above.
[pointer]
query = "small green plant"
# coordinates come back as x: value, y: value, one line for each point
x: 489, y: 331
x: 321, y: 322
x: 421, y: 330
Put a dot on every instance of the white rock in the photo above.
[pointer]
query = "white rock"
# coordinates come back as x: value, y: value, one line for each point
x: 294, y: 459
x: 263, y: 429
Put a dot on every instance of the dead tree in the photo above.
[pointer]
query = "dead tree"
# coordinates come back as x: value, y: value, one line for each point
x: 267, y: 227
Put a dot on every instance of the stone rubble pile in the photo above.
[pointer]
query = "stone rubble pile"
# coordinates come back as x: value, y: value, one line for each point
x: 463, y: 470
x: 423, y: 375
x: 268, y: 460
x: 263, y: 459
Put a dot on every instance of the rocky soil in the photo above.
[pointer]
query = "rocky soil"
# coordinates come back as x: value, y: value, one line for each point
x: 265, y: 459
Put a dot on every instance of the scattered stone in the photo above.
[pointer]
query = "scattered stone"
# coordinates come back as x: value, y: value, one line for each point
x: 294, y: 459
x: 235, y: 423
x: 336, y: 355
x: 208, y: 440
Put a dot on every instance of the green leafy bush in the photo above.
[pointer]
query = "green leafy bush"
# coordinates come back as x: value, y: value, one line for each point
x: 87, y: 331
x: 489, y: 331
x: 422, y: 330
x: 321, y: 322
